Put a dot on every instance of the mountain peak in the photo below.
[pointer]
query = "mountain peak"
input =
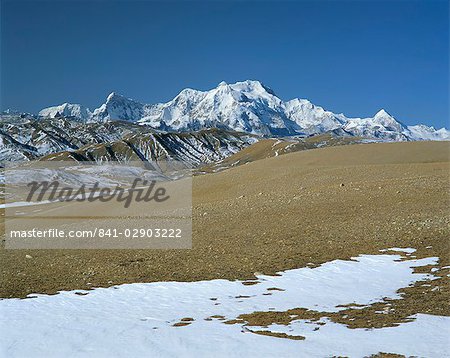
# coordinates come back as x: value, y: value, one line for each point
x: 113, y: 96
x: 249, y: 84
x: 75, y: 111
x: 386, y: 119
x: 382, y: 113
x: 252, y: 86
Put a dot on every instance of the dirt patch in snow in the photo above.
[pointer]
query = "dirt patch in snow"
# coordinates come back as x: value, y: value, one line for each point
x: 424, y: 296
x: 278, y: 335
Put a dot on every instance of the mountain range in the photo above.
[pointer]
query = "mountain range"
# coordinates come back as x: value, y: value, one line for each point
x: 249, y: 107
x: 196, y: 127
x: 64, y: 139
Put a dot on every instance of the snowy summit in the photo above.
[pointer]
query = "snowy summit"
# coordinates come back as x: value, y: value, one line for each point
x: 247, y: 106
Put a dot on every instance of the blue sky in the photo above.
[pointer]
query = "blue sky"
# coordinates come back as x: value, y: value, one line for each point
x: 353, y: 57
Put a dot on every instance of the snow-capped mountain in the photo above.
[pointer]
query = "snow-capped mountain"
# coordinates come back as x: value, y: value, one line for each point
x: 244, y: 106
x: 382, y: 125
x: 423, y: 132
x: 68, y: 110
x: 247, y: 106
x: 119, y: 107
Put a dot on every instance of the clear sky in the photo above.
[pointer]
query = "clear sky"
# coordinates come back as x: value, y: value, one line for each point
x: 353, y: 57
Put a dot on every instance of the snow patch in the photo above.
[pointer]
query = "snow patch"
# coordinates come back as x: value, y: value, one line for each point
x: 137, y: 319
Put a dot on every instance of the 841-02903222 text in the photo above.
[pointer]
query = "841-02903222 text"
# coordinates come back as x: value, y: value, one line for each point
x: 100, y: 233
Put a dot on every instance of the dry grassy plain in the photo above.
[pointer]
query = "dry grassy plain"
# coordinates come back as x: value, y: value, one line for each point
x: 276, y: 214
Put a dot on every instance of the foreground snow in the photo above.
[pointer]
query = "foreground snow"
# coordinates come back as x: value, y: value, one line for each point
x: 137, y: 319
